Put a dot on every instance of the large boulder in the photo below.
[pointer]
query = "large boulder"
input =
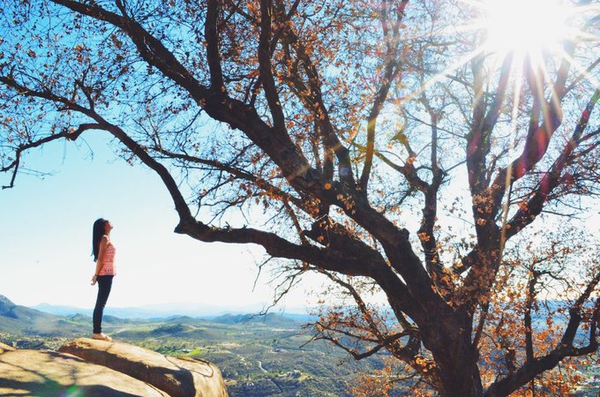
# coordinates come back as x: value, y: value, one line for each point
x: 176, y: 377
x: 36, y: 373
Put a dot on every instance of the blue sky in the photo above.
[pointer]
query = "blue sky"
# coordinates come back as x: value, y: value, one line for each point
x: 45, y: 238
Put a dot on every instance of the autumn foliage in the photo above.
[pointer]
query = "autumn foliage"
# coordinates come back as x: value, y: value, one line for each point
x: 438, y: 185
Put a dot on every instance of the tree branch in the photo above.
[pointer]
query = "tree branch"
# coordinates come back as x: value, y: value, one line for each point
x: 71, y: 135
x: 213, y: 55
x: 391, y: 69
x: 565, y: 348
x: 311, y: 96
x: 265, y: 67
x: 551, y: 179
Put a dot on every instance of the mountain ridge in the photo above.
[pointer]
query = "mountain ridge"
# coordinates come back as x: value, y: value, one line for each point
x: 46, y: 319
x: 167, y: 310
x: 16, y: 318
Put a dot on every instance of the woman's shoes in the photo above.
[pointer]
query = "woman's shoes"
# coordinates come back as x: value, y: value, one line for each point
x: 101, y: 336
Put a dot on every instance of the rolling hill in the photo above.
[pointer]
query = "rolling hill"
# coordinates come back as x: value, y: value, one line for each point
x: 20, y: 319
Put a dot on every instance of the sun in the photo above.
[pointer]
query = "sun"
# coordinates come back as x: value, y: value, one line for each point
x: 525, y: 27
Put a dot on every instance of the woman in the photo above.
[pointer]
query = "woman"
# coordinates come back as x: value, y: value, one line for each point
x: 104, y: 256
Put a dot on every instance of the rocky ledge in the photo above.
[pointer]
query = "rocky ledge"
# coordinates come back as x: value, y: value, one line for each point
x: 92, y: 368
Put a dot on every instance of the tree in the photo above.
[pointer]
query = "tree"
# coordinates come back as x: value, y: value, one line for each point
x: 385, y: 145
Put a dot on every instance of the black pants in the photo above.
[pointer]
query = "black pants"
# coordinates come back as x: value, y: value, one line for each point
x: 104, y: 285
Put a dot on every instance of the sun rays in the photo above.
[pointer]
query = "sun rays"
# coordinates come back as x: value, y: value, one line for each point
x: 522, y: 50
x: 535, y: 35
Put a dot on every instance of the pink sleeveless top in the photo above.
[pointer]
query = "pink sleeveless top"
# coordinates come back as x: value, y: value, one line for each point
x: 108, y: 261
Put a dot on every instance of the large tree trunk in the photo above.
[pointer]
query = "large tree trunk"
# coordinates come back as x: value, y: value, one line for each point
x: 450, y: 341
x: 459, y: 376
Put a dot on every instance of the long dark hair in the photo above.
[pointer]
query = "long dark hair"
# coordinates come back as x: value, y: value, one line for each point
x: 98, y: 231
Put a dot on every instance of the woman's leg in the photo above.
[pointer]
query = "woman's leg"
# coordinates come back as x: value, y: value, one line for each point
x: 104, y: 286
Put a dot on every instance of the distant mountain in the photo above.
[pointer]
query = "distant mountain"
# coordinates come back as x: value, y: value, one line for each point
x: 270, y: 319
x: 61, y: 310
x: 20, y: 319
x: 5, y: 305
x: 11, y: 311
x: 158, y: 311
x: 167, y: 311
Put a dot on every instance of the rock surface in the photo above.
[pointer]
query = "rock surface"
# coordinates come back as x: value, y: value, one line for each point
x: 46, y: 373
x: 92, y: 368
x: 177, y: 377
